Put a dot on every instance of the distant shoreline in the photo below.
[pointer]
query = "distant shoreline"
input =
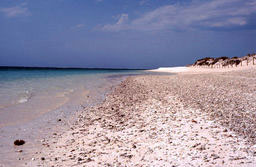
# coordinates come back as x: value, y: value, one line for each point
x: 65, y: 68
x: 203, y: 69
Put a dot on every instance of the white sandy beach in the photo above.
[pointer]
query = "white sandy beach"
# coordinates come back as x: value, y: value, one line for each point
x: 170, y: 120
x: 204, y: 69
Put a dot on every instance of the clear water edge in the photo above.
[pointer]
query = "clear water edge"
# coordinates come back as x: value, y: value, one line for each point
x: 75, y: 94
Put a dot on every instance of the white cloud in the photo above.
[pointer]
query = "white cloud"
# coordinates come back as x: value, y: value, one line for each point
x: 123, y: 19
x: 120, y: 24
x: 239, y: 21
x: 15, y: 11
x: 79, y: 26
x: 210, y: 14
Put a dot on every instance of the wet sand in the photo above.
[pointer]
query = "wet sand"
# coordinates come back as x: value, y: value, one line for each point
x: 189, y: 119
x: 59, y: 120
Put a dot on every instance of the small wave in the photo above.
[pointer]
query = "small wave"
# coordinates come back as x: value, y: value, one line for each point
x: 65, y: 93
x: 24, y: 97
x: 22, y: 100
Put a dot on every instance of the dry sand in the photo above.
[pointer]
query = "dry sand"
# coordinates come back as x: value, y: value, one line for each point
x: 205, y: 69
x: 189, y: 119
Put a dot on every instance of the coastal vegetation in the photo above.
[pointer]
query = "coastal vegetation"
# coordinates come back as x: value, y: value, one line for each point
x: 225, y: 61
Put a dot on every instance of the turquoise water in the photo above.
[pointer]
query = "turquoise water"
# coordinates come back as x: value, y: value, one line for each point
x: 26, y: 94
x: 11, y: 74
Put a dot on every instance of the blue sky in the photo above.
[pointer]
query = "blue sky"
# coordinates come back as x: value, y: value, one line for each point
x: 124, y: 33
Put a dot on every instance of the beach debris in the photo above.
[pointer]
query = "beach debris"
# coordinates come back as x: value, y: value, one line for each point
x: 59, y: 119
x: 88, y: 160
x: 237, y: 158
x: 19, y: 142
x: 195, y: 145
x: 253, y: 149
x: 79, y: 159
x: 19, y: 151
x: 194, y: 121
x: 126, y: 155
x: 83, y: 107
x: 202, y: 147
x: 42, y: 158
x: 215, y: 156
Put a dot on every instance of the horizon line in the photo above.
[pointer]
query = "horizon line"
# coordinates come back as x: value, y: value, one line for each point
x: 68, y: 68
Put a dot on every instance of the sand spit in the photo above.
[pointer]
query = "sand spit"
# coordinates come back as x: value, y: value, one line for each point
x: 179, y: 120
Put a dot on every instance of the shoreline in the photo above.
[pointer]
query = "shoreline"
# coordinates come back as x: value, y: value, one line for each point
x: 201, y: 69
x: 179, y: 120
x: 58, y: 120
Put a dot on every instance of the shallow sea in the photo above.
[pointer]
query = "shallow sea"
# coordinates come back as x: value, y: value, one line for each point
x: 33, y: 100
x: 27, y: 94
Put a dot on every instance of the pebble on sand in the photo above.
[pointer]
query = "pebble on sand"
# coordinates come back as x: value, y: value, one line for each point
x: 19, y: 142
